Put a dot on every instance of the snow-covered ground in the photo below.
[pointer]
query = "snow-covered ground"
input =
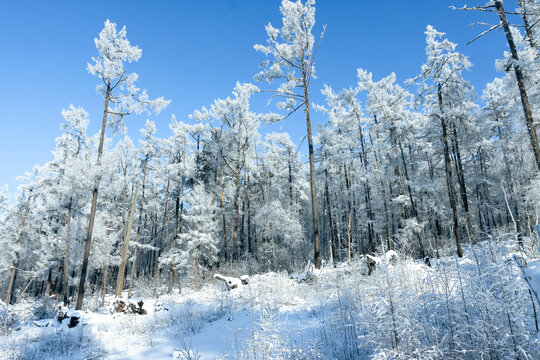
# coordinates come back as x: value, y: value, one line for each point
x: 475, y: 307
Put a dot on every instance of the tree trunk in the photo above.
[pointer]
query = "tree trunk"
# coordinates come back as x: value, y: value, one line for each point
x: 462, y: 185
x: 224, y: 218
x: 16, y: 260
x: 132, y: 274
x: 66, y: 257
x: 236, y: 216
x: 349, y: 215
x: 242, y: 223
x: 104, y: 292
x: 383, y: 193
x: 177, y: 223
x: 449, y: 178
x: 414, y: 212
x: 125, y: 248
x: 332, y: 234
x: 167, y: 220
x: 139, y: 226
x: 526, y: 24
x: 250, y: 250
x: 317, y: 251
x: 364, y: 161
x: 290, y: 184
x: 521, y: 84
x: 88, y: 245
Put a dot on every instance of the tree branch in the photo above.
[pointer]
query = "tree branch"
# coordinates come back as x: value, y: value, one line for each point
x: 484, y: 33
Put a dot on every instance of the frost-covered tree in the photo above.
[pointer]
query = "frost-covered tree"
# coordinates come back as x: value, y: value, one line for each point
x: 235, y: 131
x: 67, y: 173
x: 444, y: 92
x: 149, y: 154
x: 340, y: 143
x: 180, y: 170
x: 120, y: 98
x: 199, y: 240
x: 523, y: 53
x: 126, y: 156
x: 281, y: 233
x: 395, y: 129
x: 291, y: 52
x: 19, y: 230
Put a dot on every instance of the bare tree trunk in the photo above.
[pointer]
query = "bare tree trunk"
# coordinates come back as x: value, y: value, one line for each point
x: 167, y: 217
x: 179, y: 282
x: 317, y: 251
x: 364, y: 161
x: 243, y: 222
x: 462, y: 185
x: 132, y: 274
x: 66, y: 257
x: 179, y: 208
x: 236, y: 216
x: 223, y: 218
x: 88, y: 245
x: 250, y: 250
x: 139, y: 226
x: 521, y: 83
x: 48, y: 287
x: 349, y: 215
x: 383, y: 193
x: 125, y: 248
x: 414, y: 212
x: 104, y: 292
x: 526, y: 24
x: 290, y: 184
x: 449, y: 177
x: 124, y: 224
x: 332, y: 234
x: 167, y: 225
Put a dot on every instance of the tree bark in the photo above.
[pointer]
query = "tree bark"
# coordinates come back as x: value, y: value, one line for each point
x: 224, y: 219
x: 367, y: 189
x: 139, y: 226
x: 88, y: 245
x: 449, y: 177
x: 250, y: 250
x: 104, y: 292
x: 123, y: 263
x: 236, y: 217
x: 521, y: 84
x: 66, y: 257
x: 462, y: 185
x: 349, y: 215
x: 317, y: 251
x: 177, y: 224
x: 332, y: 233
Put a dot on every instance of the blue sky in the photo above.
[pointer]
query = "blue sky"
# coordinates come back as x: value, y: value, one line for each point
x: 194, y: 52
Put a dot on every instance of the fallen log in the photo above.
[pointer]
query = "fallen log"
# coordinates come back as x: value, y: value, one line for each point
x: 232, y: 282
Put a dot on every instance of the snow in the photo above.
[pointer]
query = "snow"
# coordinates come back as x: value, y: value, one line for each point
x: 278, y: 316
x: 533, y: 273
x: 211, y: 322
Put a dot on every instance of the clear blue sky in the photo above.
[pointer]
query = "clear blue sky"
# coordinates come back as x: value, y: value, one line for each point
x: 194, y: 52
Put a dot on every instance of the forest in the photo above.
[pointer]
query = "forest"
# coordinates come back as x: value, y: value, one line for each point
x: 404, y: 226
